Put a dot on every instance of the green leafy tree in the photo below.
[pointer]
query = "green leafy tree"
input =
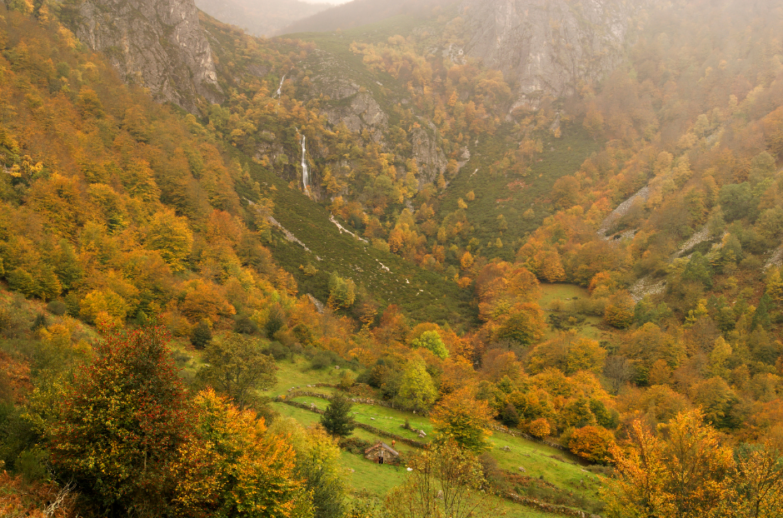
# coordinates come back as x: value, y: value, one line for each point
x: 577, y: 414
x: 337, y: 418
x: 67, y: 266
x: 342, y: 292
x: 237, y: 367
x: 431, y: 341
x: 121, y: 422
x: 445, y: 481
x: 761, y: 167
x: 20, y: 280
x: 417, y: 391
x: 698, y: 269
x: 737, y: 202
x: 619, y: 311
x: 509, y: 416
x: 201, y: 336
x: 775, y: 285
x: 645, y: 312
x: 608, y: 418
x: 525, y: 325
x: 761, y: 316
x: 49, y: 285
x: 318, y: 465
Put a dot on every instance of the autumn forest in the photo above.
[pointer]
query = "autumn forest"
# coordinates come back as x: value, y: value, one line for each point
x: 540, y: 301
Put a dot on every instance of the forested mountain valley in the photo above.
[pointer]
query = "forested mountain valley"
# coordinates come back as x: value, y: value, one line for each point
x: 444, y: 259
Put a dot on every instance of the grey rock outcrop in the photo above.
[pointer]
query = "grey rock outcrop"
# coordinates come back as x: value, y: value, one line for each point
x: 158, y: 44
x: 355, y: 108
x: 430, y: 158
x: 347, y: 102
x: 548, y: 47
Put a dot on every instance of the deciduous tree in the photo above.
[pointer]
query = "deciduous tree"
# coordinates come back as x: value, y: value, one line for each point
x: 445, y: 481
x: 121, y: 424
x: 619, y: 311
x: 233, y: 466
x: 592, y: 443
x: 237, y: 367
x: 431, y: 341
x: 417, y: 391
x: 461, y: 418
x: 317, y: 465
x: 684, y: 472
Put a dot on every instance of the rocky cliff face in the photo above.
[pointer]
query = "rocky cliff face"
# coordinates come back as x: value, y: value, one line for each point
x: 347, y: 102
x: 353, y: 106
x: 158, y: 44
x: 429, y: 156
x: 547, y: 47
x: 356, y: 108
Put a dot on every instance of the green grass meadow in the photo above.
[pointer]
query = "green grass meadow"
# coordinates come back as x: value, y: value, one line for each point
x: 549, y: 466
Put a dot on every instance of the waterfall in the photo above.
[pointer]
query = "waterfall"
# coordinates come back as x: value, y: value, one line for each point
x: 305, y: 167
x: 280, y: 87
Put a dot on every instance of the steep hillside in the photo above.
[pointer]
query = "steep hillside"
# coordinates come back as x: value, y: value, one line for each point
x: 467, y: 163
x: 269, y: 130
x: 111, y: 202
x: 543, y: 48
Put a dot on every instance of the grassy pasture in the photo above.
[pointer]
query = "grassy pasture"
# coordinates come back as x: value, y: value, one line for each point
x: 552, y: 294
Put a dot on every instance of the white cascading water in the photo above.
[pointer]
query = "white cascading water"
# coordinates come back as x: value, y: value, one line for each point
x: 305, y: 167
x: 280, y: 87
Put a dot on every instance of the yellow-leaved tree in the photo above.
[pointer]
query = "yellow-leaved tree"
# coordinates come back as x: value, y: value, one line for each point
x: 172, y: 237
x: 461, y: 418
x: 234, y: 467
x: 317, y: 465
x: 683, y: 471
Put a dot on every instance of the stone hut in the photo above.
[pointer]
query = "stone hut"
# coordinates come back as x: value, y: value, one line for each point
x: 382, y: 453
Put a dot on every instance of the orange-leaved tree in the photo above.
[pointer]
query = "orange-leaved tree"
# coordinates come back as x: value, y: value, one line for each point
x: 592, y: 443
x: 234, y: 467
x: 683, y: 471
x: 462, y: 418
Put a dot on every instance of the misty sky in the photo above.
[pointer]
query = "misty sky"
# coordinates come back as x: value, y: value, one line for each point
x: 334, y: 2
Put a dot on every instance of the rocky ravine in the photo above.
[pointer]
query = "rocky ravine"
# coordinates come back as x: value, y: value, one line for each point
x: 547, y: 47
x: 158, y: 44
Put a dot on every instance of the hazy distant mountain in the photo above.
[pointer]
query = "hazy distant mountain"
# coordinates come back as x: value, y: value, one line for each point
x: 260, y: 17
x: 358, y: 13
